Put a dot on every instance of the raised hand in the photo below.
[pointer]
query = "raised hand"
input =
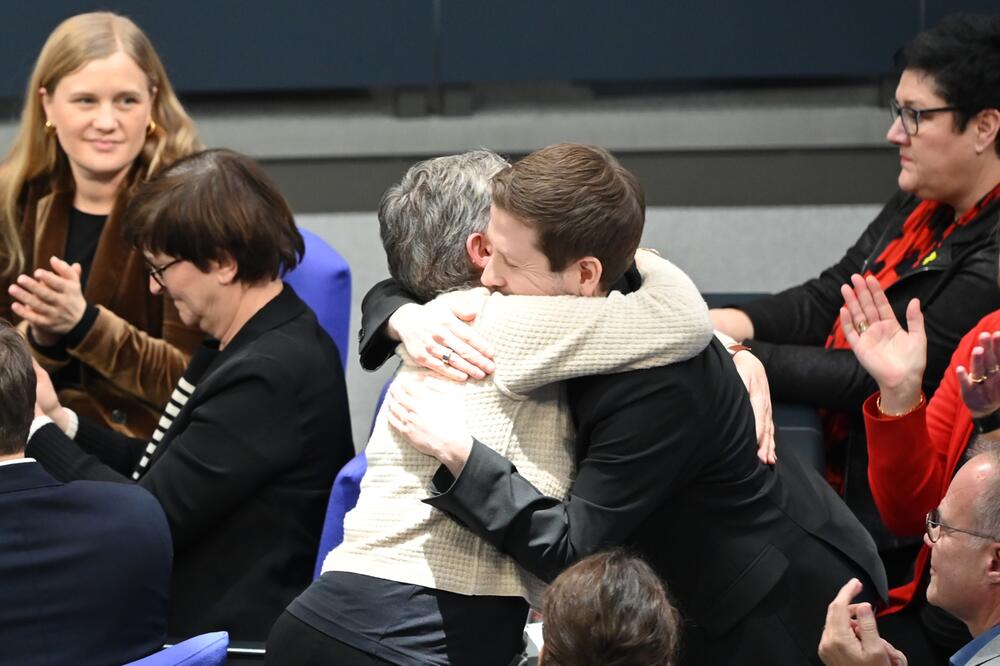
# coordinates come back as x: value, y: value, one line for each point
x: 894, y: 356
x: 980, y: 382
x: 438, y: 335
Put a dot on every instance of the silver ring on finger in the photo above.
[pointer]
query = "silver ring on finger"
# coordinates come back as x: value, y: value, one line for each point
x: 446, y: 357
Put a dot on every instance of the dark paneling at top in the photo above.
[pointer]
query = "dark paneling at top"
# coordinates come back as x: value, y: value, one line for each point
x: 936, y: 9
x: 251, y: 45
x: 597, y: 40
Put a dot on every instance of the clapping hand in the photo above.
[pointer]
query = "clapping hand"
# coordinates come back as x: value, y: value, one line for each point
x: 980, y: 382
x: 894, y: 356
x: 51, y: 301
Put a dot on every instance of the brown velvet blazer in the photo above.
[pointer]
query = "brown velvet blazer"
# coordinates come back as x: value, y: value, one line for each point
x: 137, y: 348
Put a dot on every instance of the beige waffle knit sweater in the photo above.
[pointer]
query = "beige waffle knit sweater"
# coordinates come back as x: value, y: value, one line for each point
x: 521, y: 412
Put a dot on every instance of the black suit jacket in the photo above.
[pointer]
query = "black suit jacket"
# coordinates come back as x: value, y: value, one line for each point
x: 84, y: 570
x: 243, y: 473
x: 667, y: 465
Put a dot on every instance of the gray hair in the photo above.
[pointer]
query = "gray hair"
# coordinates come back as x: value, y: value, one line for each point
x: 987, y: 504
x: 426, y: 218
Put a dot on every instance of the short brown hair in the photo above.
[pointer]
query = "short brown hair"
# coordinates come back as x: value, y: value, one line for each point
x: 17, y: 390
x: 609, y: 609
x: 580, y: 201
x: 211, y: 205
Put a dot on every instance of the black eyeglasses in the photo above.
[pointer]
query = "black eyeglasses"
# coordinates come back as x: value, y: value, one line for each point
x: 933, y: 525
x: 156, y: 272
x: 911, y: 117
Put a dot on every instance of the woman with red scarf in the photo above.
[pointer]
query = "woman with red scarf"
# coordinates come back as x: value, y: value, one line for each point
x: 933, y: 240
x: 915, y: 446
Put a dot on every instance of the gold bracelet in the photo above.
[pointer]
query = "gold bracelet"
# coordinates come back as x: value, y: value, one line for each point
x: 878, y: 404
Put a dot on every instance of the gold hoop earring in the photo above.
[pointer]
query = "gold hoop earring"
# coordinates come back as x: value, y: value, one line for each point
x: 151, y: 128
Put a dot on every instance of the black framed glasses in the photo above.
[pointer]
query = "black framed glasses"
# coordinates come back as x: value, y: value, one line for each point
x: 911, y: 117
x: 933, y: 525
x: 156, y: 272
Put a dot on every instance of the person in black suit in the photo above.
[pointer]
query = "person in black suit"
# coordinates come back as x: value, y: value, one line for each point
x: 247, y: 449
x: 84, y: 566
x: 667, y: 465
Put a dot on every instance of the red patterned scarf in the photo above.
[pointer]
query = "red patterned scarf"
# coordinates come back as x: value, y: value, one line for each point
x: 916, y: 246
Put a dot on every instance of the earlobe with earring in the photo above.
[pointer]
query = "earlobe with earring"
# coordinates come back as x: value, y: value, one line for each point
x: 152, y: 127
x: 49, y: 127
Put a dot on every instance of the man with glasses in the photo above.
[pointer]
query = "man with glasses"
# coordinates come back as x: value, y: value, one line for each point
x: 963, y: 534
x: 934, y: 240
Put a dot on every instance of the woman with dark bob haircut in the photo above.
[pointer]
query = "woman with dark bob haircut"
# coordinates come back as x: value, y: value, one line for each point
x: 609, y: 609
x: 247, y: 448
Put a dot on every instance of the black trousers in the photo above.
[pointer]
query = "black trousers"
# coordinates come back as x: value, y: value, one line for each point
x: 294, y: 643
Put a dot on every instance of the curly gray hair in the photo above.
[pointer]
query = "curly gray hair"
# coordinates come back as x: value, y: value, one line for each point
x: 425, y: 219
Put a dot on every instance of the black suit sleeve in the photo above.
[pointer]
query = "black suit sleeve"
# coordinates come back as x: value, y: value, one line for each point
x: 97, y: 454
x: 833, y: 378
x: 241, y: 433
x: 374, y: 346
x: 641, y: 448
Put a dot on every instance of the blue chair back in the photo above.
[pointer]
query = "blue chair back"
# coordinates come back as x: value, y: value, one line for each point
x: 203, y: 650
x: 343, y: 497
x: 323, y: 281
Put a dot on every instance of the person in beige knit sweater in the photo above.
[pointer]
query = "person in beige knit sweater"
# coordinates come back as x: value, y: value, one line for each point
x: 395, y: 544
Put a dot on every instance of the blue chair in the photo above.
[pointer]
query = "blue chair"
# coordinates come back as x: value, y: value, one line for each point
x: 323, y: 281
x: 343, y: 497
x: 203, y: 650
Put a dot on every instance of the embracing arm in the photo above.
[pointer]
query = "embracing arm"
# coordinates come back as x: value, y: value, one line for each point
x: 643, y: 435
x: 543, y: 339
x: 381, y: 301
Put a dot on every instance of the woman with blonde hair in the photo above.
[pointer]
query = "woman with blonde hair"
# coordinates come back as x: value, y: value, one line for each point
x: 99, y: 118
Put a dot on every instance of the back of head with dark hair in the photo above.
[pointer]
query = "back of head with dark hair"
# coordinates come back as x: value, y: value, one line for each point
x: 962, y: 54
x: 17, y: 390
x: 580, y: 201
x: 211, y: 205
x: 609, y: 609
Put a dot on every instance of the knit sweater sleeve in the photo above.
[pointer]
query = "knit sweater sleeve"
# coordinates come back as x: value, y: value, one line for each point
x: 539, y: 340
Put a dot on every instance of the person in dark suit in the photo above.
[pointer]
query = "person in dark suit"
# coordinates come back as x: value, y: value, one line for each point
x: 667, y: 465
x: 247, y: 449
x: 84, y: 566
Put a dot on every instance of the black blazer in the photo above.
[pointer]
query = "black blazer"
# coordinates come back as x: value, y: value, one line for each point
x: 243, y: 473
x: 84, y: 570
x: 667, y: 465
